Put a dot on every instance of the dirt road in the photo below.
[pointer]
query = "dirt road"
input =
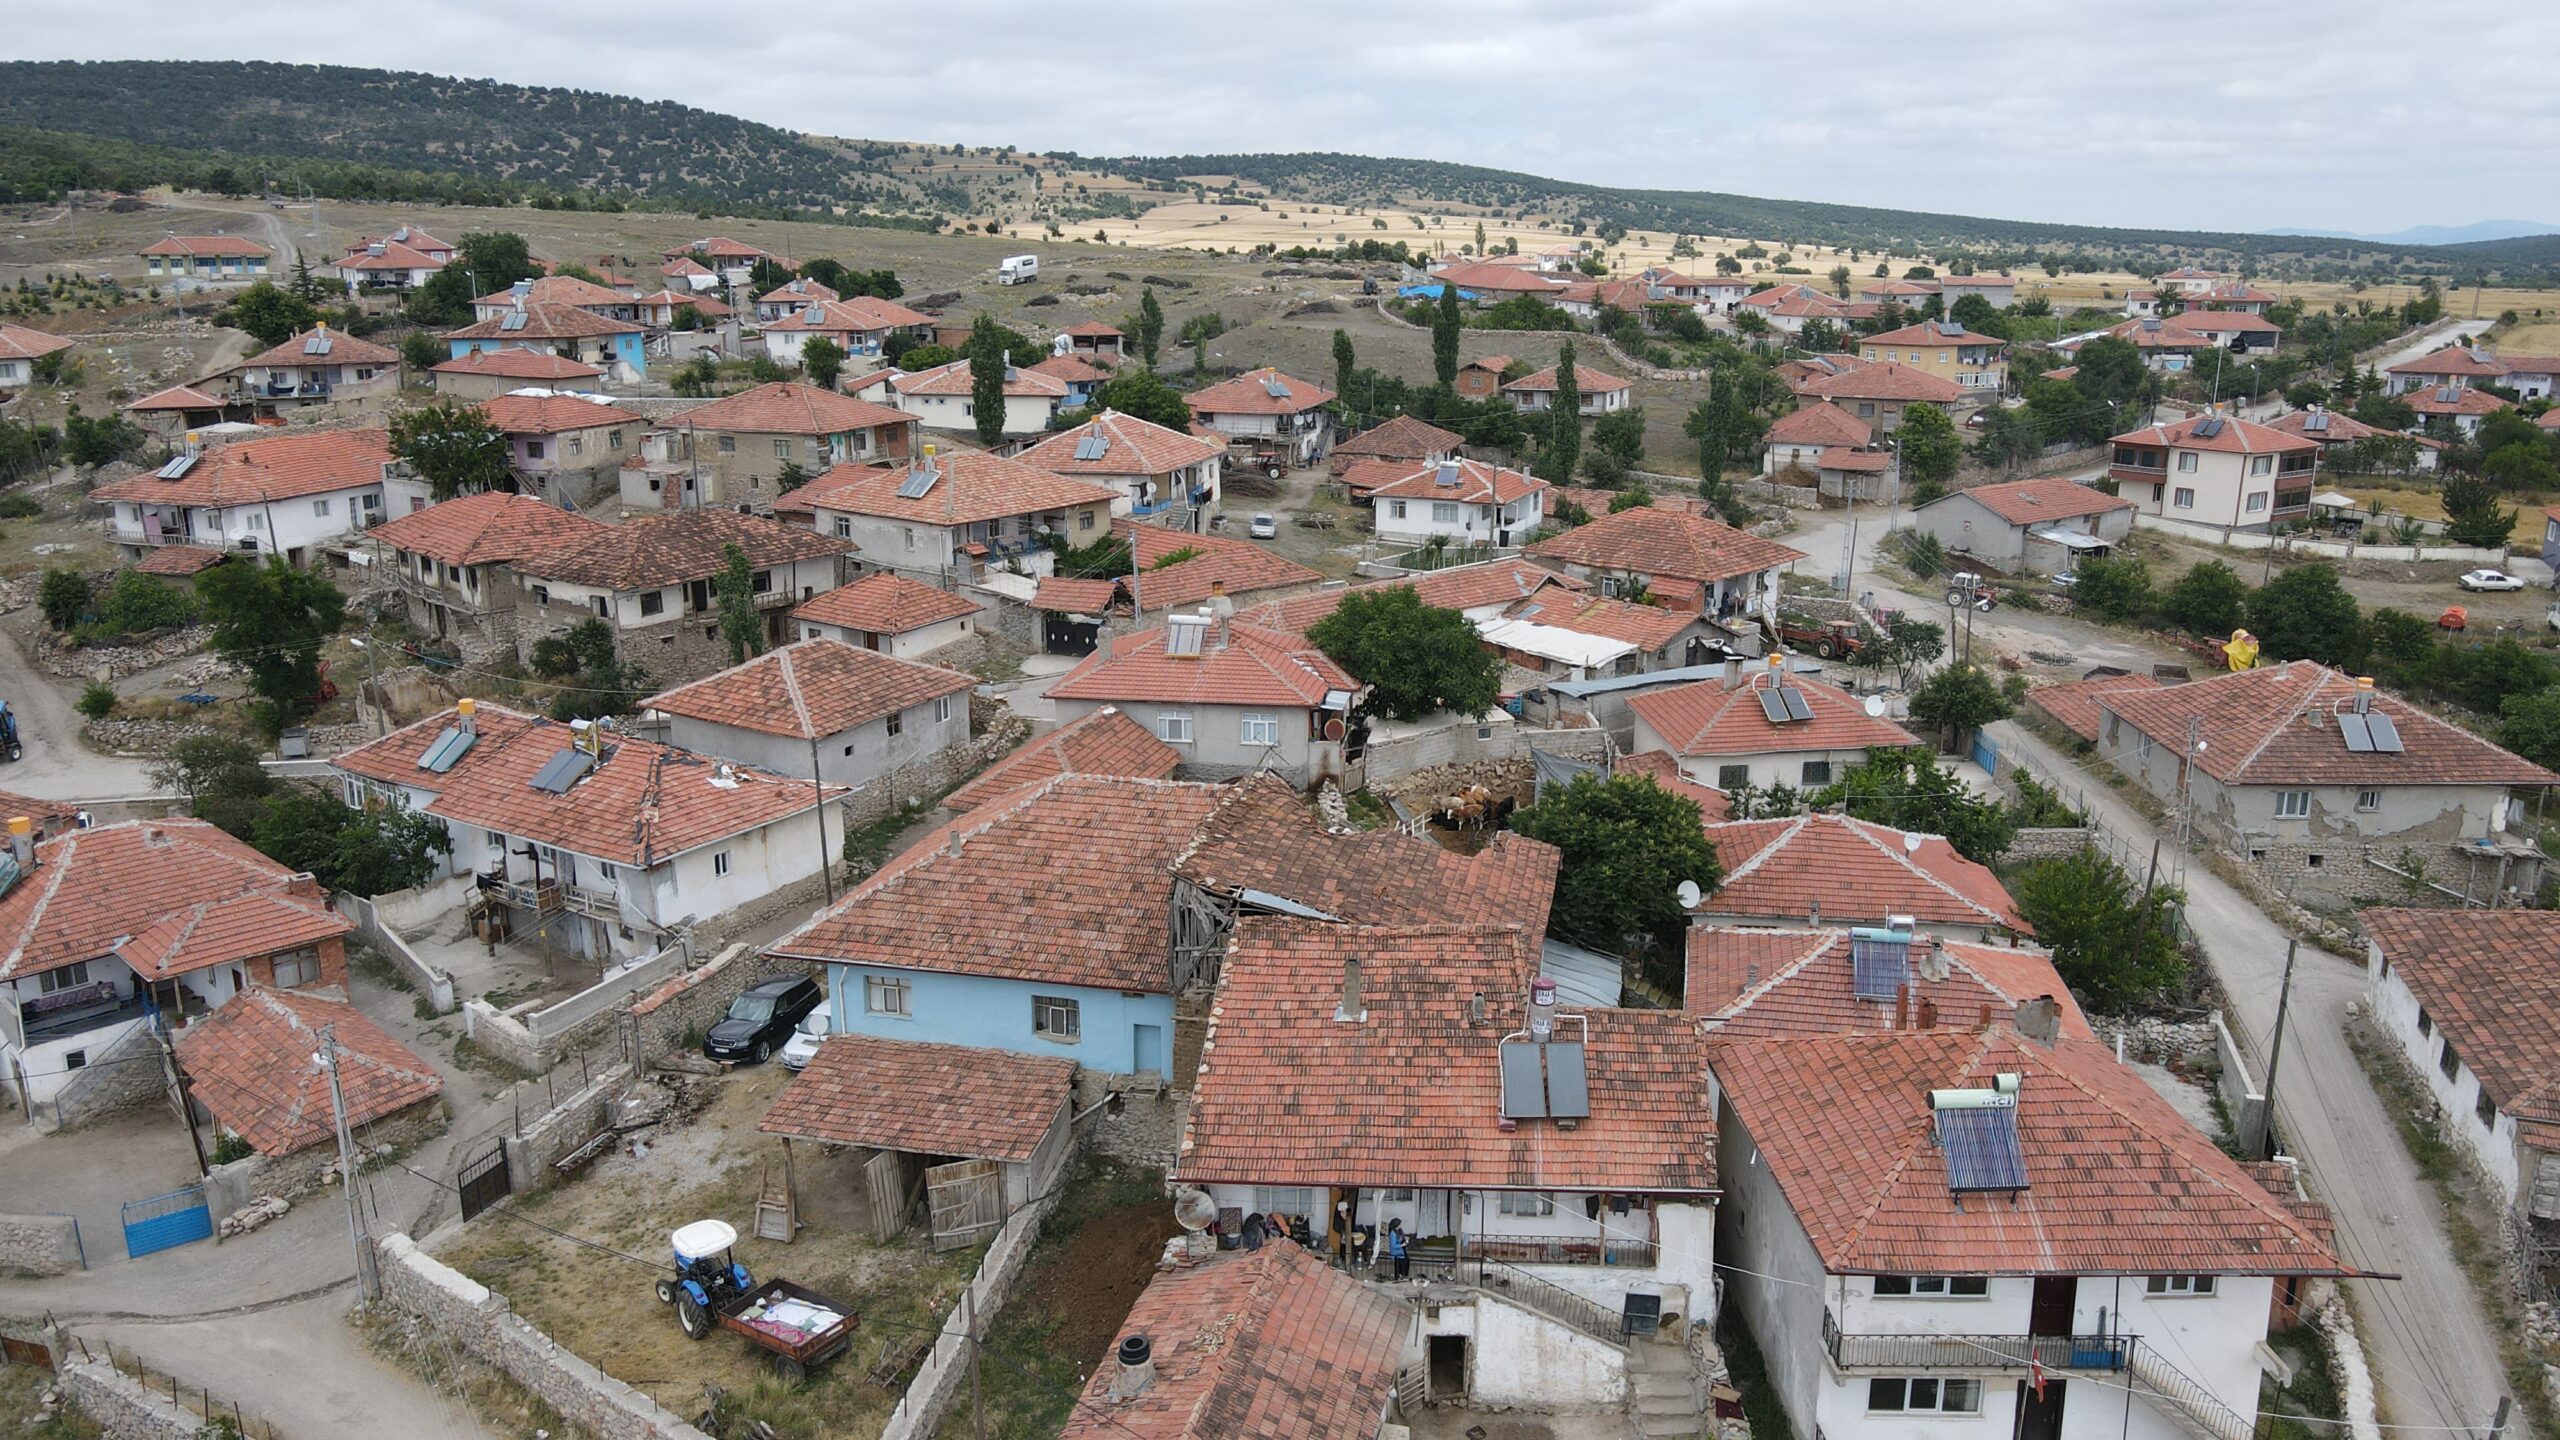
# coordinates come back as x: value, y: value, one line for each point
x: 57, y: 765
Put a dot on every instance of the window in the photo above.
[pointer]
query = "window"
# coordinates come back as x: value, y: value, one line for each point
x: 653, y: 602
x: 533, y: 449
x: 2177, y: 1285
x: 1444, y: 512
x: 320, y: 506
x: 2184, y: 497
x: 1173, y: 728
x: 1084, y: 519
x: 942, y: 710
x: 257, y: 520
x: 761, y: 582
x: 1892, y: 1286
x: 2256, y: 501
x: 1925, y: 1394
x: 1395, y: 509
x: 2186, y: 462
x: 577, y: 446
x: 2485, y: 1110
x: 720, y: 862
x: 844, y: 527
x: 2293, y: 804
x: 1525, y: 1203
x: 2368, y: 800
x: 2261, y: 464
x: 781, y: 449
x: 1817, y: 772
x: 897, y: 722
x: 296, y: 967
x: 1260, y: 730
x: 607, y: 870
x: 1866, y: 409
x: 1285, y: 1200
x: 1054, y: 1017
x: 907, y: 533
x: 887, y: 995
x: 1732, y: 777
x: 69, y: 977
x: 613, y: 439
x: 728, y: 444
x: 2450, y: 1061
x: 541, y: 594
x: 2426, y: 1023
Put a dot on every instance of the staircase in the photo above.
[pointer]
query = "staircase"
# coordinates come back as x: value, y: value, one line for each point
x: 2185, y: 1403
x: 1663, y: 1392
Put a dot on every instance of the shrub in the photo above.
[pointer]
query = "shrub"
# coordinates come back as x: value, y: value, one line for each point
x: 97, y: 701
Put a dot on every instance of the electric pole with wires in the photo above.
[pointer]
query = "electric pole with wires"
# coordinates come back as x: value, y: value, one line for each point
x: 368, y: 1288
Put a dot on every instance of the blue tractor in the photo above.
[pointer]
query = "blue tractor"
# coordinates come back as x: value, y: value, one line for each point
x: 9, y: 744
x: 708, y: 1278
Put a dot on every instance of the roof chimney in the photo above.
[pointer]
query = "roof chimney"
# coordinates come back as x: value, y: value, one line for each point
x: 2364, y: 694
x: 1350, y: 1011
x: 1732, y: 671
x: 1928, y: 1013
x: 2039, y: 1019
x: 1476, y: 1009
x: 22, y: 841
x: 465, y: 712
x: 1137, y: 1368
x: 1902, y: 1006
x: 951, y: 842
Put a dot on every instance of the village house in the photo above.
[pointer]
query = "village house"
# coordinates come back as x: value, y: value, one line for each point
x: 650, y: 580
x: 451, y: 563
x: 1879, y: 394
x: 253, y: 1067
x: 1274, y: 415
x: 2451, y: 367
x: 1170, y: 569
x: 1876, y: 1187
x: 1601, y: 392
x: 1480, y: 591
x: 117, y: 933
x: 1481, y: 379
x: 2072, y: 705
x: 1824, y: 869
x: 1105, y: 742
x: 402, y: 260
x: 1153, y: 469
x: 2333, y: 428
x: 1483, y: 283
x: 1909, y: 294
x: 686, y: 273
x: 290, y: 494
x: 954, y: 519
x: 617, y: 347
x: 1404, y: 439
x: 2190, y: 280
x: 1894, y: 974
x: 2459, y: 406
x: 1685, y: 561
x: 734, y: 451
x: 178, y: 409
x: 790, y: 295
x: 1435, y: 1083
x: 2000, y: 290
x: 1787, y: 307
x: 729, y: 262
x: 2327, y: 787
x: 2045, y: 525
x: 2165, y: 345
x: 888, y: 613
x: 483, y: 374
x: 2242, y: 332
x: 1087, y: 339
x: 20, y: 349
x: 664, y: 309
x: 205, y: 257
x: 860, y: 326
x: 883, y: 728
x: 2468, y: 999
x: 1577, y: 637
x: 556, y: 290
x: 1084, y: 379
x: 1761, y: 726
x: 315, y: 367
x: 1470, y: 502
x: 2532, y: 377
x: 565, y: 448
x: 1945, y: 349
x: 2216, y: 469
x: 944, y: 397
x: 1234, y: 698
x: 1802, y: 437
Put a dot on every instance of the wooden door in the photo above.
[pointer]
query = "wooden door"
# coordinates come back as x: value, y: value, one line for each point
x: 890, y: 1179
x: 965, y: 1200
x: 2040, y: 1417
x: 2054, y: 1298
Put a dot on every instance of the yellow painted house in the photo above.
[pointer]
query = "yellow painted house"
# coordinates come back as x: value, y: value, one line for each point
x: 1944, y: 349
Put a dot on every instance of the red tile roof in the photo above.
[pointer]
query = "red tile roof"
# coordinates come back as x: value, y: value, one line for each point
x: 553, y: 414
x: 2150, y: 332
x: 2226, y: 322
x: 785, y: 408
x: 180, y: 560
x: 548, y: 321
x: 797, y: 292
x: 1507, y: 279
x: 1664, y: 771
x: 1755, y: 983
x: 721, y: 247
x: 1820, y: 424
x: 519, y: 365
x: 1649, y: 541
x: 1065, y: 881
x: 1410, y: 1093
x: 394, y: 256
x: 1929, y: 333
x: 2455, y: 400
x: 1241, y: 566
x: 861, y: 315
x: 1705, y: 718
x: 1586, y: 380
x: 93, y: 891
x: 252, y: 1064
x: 1490, y: 586
x: 1068, y: 595
x: 1857, y: 871
x: 178, y: 397
x: 2041, y: 501
x: 2118, y: 1182
x: 1093, y: 328
x: 216, y: 932
x: 974, y: 486
x: 1071, y: 370
x: 1131, y: 446
x: 2275, y: 726
x: 2335, y: 427
x: 1477, y: 483
x: 558, y: 290
x: 17, y: 342
x: 814, y: 689
x: 2233, y: 436
x: 955, y: 379
x: 1848, y: 458
x: 2454, y: 359
x: 2486, y: 978
x: 2073, y: 704
x: 1270, y: 1344
x: 654, y: 551
x: 205, y: 245
x: 1402, y: 438
x: 1254, y: 667
x: 1885, y: 380
x: 1647, y: 627
x: 885, y: 604
x: 683, y: 265
x: 272, y: 467
x: 393, y: 759
x: 1106, y: 742
x: 674, y: 300
x: 924, y: 1099
x: 1249, y: 394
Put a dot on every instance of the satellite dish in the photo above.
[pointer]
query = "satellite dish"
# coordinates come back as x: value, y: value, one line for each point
x: 1690, y: 894
x: 1911, y: 843
x: 1875, y: 707
x: 1193, y: 1210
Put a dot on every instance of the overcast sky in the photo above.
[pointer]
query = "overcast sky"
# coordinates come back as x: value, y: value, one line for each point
x: 2336, y: 114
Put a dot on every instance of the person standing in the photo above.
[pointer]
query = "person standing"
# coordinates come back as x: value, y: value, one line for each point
x: 1396, y: 1249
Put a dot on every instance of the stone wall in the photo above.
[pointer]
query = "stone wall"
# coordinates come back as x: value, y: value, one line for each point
x: 122, y: 1408
x: 1392, y: 760
x: 567, y: 1125
x: 2048, y: 843
x: 127, y: 1075
x: 1147, y: 1126
x: 694, y: 1000
x: 501, y: 1037
x: 1011, y: 620
x: 479, y: 1321
x: 946, y: 1366
x: 299, y: 1172
x: 36, y: 1245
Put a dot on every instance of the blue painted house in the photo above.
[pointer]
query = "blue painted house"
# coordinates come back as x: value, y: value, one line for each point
x: 552, y: 328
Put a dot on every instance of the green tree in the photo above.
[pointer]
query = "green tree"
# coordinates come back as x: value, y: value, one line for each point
x: 695, y: 378
x: 1627, y: 845
x: 96, y: 701
x: 2116, y: 947
x: 2472, y: 514
x: 1345, y: 360
x: 91, y: 443
x: 306, y: 287
x: 1199, y: 330
x: 1415, y: 658
x: 1620, y: 434
x: 822, y: 360
x: 1634, y: 498
x: 1143, y: 393
x: 453, y: 447
x: 358, y: 852
x: 1957, y: 701
x: 63, y: 597
x: 269, y: 314
x: 592, y: 680
x: 220, y: 777
x: 2305, y: 614
x: 2210, y: 599
x: 1931, y: 449
x: 421, y: 352
x: 1840, y: 281
x: 2401, y: 647
x: 1564, y: 423
x: 1909, y: 789
x: 1150, y: 326
x: 1445, y: 324
x: 735, y: 587
x: 2529, y: 725
x: 271, y: 620
x: 2114, y: 587
x: 2520, y: 466
x: 2385, y: 412
x: 137, y: 603
x: 987, y: 364
x: 485, y: 262
x: 2009, y: 438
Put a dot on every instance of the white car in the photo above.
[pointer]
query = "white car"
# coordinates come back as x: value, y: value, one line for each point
x: 802, y: 1047
x: 2490, y: 580
x: 1265, y: 526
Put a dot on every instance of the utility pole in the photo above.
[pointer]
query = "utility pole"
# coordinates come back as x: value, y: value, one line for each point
x: 2266, y: 1137
x: 2186, y: 783
x: 2498, y: 1425
x: 186, y: 1107
x: 818, y: 786
x: 367, y: 1291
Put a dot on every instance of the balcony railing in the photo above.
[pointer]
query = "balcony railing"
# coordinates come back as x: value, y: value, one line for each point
x: 599, y: 904
x: 541, y: 897
x: 1557, y: 1250
x: 1972, y: 1352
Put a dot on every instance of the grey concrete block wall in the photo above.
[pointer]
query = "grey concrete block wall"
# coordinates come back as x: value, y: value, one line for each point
x: 661, y: 1019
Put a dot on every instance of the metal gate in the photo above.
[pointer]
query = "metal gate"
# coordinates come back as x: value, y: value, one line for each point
x: 1061, y: 635
x: 890, y: 1177
x: 161, y: 1222
x: 1986, y: 754
x: 967, y: 1201
x: 483, y: 1178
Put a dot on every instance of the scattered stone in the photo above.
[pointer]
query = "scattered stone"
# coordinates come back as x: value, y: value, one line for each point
x: 1161, y: 283
x: 939, y: 299
x: 1333, y: 807
x: 1038, y: 300
x: 252, y: 1215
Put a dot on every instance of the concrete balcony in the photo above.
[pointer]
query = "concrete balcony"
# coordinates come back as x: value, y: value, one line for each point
x: 1958, y: 1353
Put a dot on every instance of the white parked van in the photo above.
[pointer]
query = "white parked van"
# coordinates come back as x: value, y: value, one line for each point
x: 1017, y: 269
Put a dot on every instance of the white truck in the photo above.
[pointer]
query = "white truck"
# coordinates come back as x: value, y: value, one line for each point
x: 1015, y: 269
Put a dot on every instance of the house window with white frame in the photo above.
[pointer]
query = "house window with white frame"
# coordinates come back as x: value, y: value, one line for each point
x: 320, y: 506
x: 2262, y: 464
x: 2184, y: 497
x: 2293, y: 804
x: 1932, y: 1286
x: 1284, y: 1199
x: 65, y: 977
x: 888, y: 995
x: 2186, y: 462
x: 720, y: 862
x: 1054, y: 1017
x: 2167, y: 1285
x: 942, y: 710
x: 2368, y: 801
x: 1395, y: 509
x: 1444, y: 512
x: 1526, y: 1204
x: 1260, y: 730
x: 296, y: 968
x: 2255, y: 502
x: 1923, y: 1394
x: 1173, y: 727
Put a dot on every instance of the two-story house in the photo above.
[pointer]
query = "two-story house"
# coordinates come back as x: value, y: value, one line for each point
x: 616, y: 346
x: 859, y: 326
x: 651, y: 580
x: 1468, y: 501
x: 869, y: 722
x: 2046, y: 524
x: 2166, y: 345
x: 20, y: 349
x: 1234, y: 698
x: 944, y: 397
x: 731, y: 451
x: 1804, y: 436
x: 1685, y: 561
x: 2454, y: 366
x: 890, y: 613
x: 2000, y: 290
x: 286, y: 494
x: 314, y: 367
x: 1880, y: 393
x: 953, y: 518
x: 565, y: 447
x: 556, y: 290
x: 2334, y: 428
x: 1761, y: 726
x: 2216, y: 469
x: 1945, y: 349
x: 1154, y: 468
x: 1402, y: 440
x: 1269, y: 413
x: 1600, y: 393
x: 400, y: 261
x: 793, y: 295
x: 452, y: 563
x: 2462, y: 407
x: 484, y: 374
x: 204, y: 257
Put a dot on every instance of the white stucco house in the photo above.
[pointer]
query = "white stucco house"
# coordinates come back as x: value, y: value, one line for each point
x: 1468, y: 501
x: 289, y: 494
x: 856, y: 717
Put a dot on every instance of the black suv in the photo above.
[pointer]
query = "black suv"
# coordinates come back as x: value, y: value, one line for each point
x: 761, y: 1019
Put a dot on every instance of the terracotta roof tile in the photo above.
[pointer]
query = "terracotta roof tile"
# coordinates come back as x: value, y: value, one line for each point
x: 177, y: 397
x: 1068, y: 595
x: 17, y: 342
x: 2152, y: 332
x: 1647, y: 627
x: 1271, y: 1344
x: 558, y: 290
x: 2040, y: 501
x: 955, y: 379
x: 1071, y: 370
x: 393, y: 256
x: 1250, y: 394
x: 810, y: 690
x: 1131, y: 446
x: 519, y: 365
x: 2486, y: 979
x: 1094, y: 329
x: 1755, y: 983
x: 1586, y: 380
x: 1240, y: 565
x: 180, y: 561
x: 923, y: 1099
x: 1489, y: 587
x: 885, y: 604
x: 1819, y: 424
x: 393, y: 759
x: 2274, y: 726
x: 1857, y: 871
x: 251, y: 1063
x: 654, y: 551
x: 785, y: 408
x: 1674, y: 544
x: 974, y: 486
x: 1664, y: 771
x: 2074, y: 706
x: 797, y: 292
x: 1704, y: 718
x: 491, y: 526
x: 217, y: 932
x: 544, y: 321
x: 1930, y: 333
x: 553, y: 414
x: 1477, y: 483
x: 1106, y: 742
x: 1410, y: 1094
x: 2454, y: 359
x: 1255, y: 667
x: 1845, y: 457
x: 2233, y: 436
x: 273, y: 467
x: 2329, y: 427
x: 205, y: 245
x: 861, y: 315
x: 93, y: 890
x: 1885, y: 381
x: 1402, y: 438
x: 2455, y: 400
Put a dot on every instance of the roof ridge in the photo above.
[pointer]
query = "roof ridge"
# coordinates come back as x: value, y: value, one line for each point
x: 791, y: 687
x: 1910, y: 860
x: 1746, y: 999
x: 2319, y: 681
x: 1792, y: 826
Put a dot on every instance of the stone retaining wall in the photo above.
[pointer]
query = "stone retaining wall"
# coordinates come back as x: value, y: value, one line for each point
x: 2048, y: 843
x: 1145, y: 1130
x: 38, y: 1245
x: 694, y: 1000
x: 122, y: 1408
x: 302, y: 1171
x: 480, y: 1321
x: 919, y: 1412
x: 1391, y: 760
x: 563, y: 1128
x: 125, y: 1076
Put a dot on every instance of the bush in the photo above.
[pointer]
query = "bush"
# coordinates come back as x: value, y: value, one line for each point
x: 19, y: 507
x: 2210, y: 599
x: 97, y: 701
x: 1922, y: 552
x: 136, y: 603
x: 2113, y: 588
x: 63, y: 597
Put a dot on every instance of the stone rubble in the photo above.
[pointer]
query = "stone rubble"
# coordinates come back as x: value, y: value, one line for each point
x: 252, y: 1215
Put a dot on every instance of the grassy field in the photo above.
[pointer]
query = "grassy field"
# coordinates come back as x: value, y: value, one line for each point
x: 2425, y: 502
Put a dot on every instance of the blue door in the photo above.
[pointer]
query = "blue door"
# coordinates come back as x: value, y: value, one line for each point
x: 1146, y: 1048
x: 161, y: 1222
x: 1985, y: 754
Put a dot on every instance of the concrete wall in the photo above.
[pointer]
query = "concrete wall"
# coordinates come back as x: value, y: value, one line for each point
x: 2336, y: 549
x: 1390, y: 760
x: 561, y: 1129
x: 437, y: 986
x: 36, y: 1245
x: 991, y: 1014
x: 945, y: 1367
x: 301, y: 1171
x: 2238, y: 1084
x: 479, y: 1320
x: 1758, y: 1236
x: 1520, y: 1359
x: 855, y: 756
x: 2490, y: 1145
